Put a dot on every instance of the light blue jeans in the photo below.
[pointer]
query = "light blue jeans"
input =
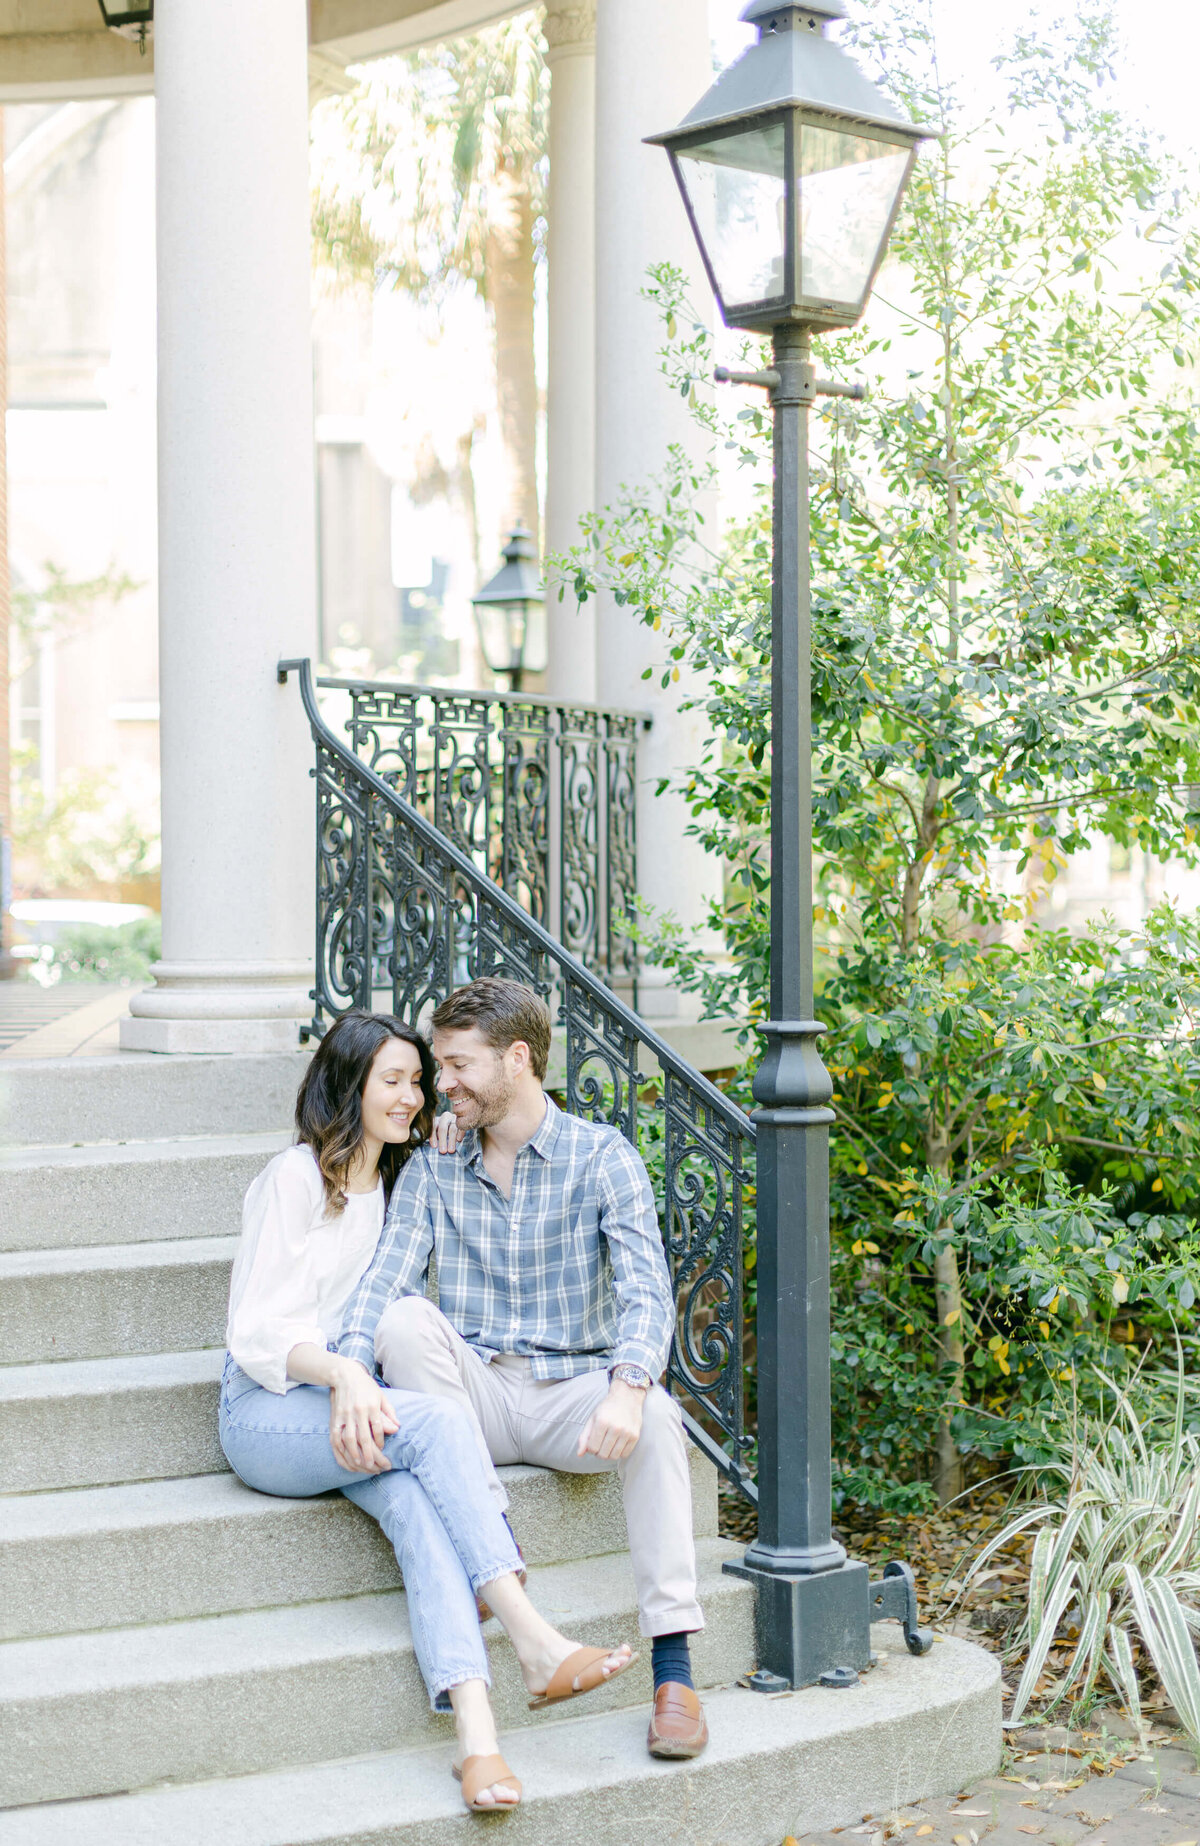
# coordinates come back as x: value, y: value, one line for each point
x: 435, y: 1505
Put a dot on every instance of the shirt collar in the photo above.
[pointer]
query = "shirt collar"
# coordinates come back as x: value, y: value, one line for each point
x: 542, y: 1141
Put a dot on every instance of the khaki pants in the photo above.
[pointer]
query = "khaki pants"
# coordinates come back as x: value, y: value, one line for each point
x: 525, y: 1419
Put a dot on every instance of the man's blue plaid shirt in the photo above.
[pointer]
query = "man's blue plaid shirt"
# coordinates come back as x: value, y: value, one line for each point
x: 569, y: 1272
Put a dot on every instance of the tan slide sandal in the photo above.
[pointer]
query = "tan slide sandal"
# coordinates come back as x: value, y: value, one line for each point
x: 480, y: 1772
x: 583, y: 1665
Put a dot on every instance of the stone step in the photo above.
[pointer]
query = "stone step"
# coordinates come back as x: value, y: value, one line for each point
x: 913, y: 1729
x: 133, y: 1192
x: 234, y: 1694
x: 94, y: 1422
x: 137, y: 1096
x: 158, y: 1551
x: 114, y: 1300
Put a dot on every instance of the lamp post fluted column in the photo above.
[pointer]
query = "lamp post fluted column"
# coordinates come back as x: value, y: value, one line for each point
x: 813, y: 1614
x: 792, y: 167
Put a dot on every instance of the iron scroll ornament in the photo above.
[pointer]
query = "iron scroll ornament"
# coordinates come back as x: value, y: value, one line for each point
x: 404, y: 915
x: 482, y: 767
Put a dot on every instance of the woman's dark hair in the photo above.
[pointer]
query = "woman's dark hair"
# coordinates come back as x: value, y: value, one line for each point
x: 329, y: 1106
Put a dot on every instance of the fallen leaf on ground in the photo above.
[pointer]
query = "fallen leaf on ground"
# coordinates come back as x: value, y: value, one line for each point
x: 922, y: 1833
x: 1031, y: 1829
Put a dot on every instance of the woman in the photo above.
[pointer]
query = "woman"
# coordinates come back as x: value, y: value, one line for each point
x: 296, y: 1419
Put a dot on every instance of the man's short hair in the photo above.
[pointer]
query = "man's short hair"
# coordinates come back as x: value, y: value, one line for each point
x: 503, y: 1011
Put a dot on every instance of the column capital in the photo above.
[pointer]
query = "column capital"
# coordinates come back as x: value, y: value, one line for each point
x: 569, y: 28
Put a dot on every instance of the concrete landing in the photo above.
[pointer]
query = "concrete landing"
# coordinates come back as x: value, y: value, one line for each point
x: 775, y: 1766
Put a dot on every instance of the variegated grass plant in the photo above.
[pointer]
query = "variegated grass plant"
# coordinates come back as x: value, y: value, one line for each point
x: 1117, y: 1553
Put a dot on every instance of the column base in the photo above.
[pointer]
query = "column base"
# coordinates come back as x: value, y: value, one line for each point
x: 246, y: 1007
x: 807, y: 1627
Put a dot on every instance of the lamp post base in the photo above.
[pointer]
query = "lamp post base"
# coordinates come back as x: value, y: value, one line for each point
x: 807, y: 1627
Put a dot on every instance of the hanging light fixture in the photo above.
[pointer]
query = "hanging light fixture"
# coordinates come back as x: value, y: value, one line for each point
x: 130, y: 21
x: 792, y: 168
x: 510, y: 613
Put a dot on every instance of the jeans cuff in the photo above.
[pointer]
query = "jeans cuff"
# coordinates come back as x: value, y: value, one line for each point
x: 439, y: 1700
x: 488, y: 1573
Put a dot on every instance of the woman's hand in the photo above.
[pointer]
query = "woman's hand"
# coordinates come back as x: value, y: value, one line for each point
x: 360, y: 1418
x: 445, y: 1133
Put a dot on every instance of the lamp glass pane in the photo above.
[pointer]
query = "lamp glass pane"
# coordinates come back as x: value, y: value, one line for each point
x: 537, y: 652
x: 737, y: 191
x: 498, y: 631
x: 848, y: 185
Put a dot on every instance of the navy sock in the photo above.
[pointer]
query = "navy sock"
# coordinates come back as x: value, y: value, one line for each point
x: 671, y: 1659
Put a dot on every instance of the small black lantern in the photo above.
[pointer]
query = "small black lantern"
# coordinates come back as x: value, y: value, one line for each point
x: 130, y: 21
x: 792, y: 168
x: 510, y: 613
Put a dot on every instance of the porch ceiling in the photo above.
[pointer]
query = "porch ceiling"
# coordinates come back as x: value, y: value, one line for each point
x: 52, y: 49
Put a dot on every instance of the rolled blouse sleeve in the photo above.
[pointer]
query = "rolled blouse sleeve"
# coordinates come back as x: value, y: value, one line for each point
x: 273, y: 1296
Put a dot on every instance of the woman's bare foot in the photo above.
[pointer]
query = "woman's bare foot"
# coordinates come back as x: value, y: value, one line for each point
x: 477, y: 1737
x: 538, y: 1669
x: 539, y: 1647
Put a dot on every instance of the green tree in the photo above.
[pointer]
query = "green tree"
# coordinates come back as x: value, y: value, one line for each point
x: 435, y: 174
x: 1006, y: 665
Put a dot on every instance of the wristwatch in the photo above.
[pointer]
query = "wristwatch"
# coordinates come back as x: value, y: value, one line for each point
x: 635, y: 1375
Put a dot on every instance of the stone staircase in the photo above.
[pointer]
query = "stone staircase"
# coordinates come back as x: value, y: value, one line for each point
x: 184, y: 1661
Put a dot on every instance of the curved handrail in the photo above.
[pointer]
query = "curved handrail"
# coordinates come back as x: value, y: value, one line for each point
x: 540, y: 699
x: 704, y: 1137
x: 664, y: 1055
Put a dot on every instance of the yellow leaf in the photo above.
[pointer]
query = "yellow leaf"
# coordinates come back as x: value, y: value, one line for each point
x: 1120, y: 1289
x: 1000, y: 1037
x: 1045, y: 1328
x: 908, y: 1327
x: 1005, y: 1367
x: 1067, y: 1373
x: 630, y: 557
x: 952, y: 1317
x: 905, y: 1148
x: 1157, y: 1186
x: 818, y: 913
x: 872, y: 1249
x: 995, y: 1343
x: 1158, y: 1132
x: 674, y: 672
x: 861, y: 1167
x: 856, y: 1248
x: 1100, y: 1081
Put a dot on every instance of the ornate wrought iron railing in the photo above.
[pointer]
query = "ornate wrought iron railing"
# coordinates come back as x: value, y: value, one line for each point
x: 538, y: 794
x: 397, y: 893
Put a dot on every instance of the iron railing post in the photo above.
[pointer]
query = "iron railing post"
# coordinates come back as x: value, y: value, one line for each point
x: 812, y: 1605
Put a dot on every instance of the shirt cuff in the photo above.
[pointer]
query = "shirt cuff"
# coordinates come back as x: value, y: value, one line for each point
x: 639, y: 1352
x: 267, y: 1364
x: 358, y: 1346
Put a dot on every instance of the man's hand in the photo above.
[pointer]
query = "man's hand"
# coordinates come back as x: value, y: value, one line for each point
x: 360, y: 1417
x: 613, y: 1431
x: 445, y: 1133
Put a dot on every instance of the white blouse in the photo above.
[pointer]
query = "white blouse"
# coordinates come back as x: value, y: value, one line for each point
x: 296, y: 1267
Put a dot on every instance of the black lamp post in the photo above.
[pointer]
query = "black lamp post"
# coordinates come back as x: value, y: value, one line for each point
x: 132, y: 20
x: 510, y: 613
x: 792, y: 169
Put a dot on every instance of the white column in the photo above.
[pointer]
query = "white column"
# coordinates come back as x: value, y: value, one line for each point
x: 652, y: 63
x: 570, y: 33
x: 236, y: 527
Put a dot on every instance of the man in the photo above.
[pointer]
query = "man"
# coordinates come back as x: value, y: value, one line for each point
x: 556, y: 1309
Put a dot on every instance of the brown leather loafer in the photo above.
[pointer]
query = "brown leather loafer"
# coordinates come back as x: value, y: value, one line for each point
x: 677, y: 1728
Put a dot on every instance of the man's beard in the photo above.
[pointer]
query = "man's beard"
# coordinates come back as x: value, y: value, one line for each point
x: 488, y: 1106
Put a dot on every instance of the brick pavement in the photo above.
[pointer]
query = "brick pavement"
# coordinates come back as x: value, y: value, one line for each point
x: 1062, y: 1788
